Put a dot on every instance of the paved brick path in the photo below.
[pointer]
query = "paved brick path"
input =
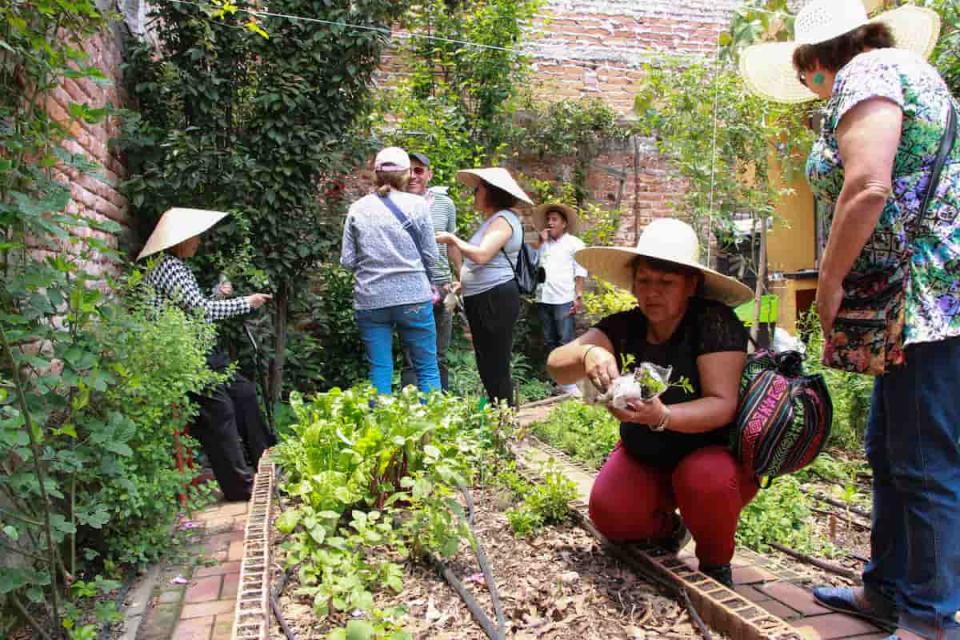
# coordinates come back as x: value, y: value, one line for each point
x: 201, y: 609
x: 783, y: 590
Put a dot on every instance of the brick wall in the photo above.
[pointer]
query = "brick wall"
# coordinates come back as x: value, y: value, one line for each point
x: 599, y: 47
x: 95, y: 196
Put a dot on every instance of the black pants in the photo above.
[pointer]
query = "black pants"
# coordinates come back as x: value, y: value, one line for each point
x: 233, y: 435
x: 492, y: 316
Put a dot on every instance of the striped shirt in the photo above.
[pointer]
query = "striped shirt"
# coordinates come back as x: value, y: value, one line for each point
x: 444, y: 215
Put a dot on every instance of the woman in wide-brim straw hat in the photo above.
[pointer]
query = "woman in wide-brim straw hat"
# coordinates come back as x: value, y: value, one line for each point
x: 229, y: 425
x: 887, y: 120
x: 491, y: 297
x: 673, y: 451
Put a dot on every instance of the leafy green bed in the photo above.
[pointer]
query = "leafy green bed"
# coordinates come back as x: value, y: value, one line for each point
x: 375, y: 482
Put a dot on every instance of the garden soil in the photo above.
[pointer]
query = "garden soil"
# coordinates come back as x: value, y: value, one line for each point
x: 558, y: 584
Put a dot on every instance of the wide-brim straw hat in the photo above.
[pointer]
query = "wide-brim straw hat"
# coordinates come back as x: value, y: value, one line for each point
x: 495, y: 176
x: 177, y: 225
x: 540, y: 215
x: 768, y: 68
x: 669, y: 240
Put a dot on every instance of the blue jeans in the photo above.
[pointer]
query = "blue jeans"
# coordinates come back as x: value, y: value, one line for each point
x: 558, y: 323
x: 417, y: 334
x: 913, y: 445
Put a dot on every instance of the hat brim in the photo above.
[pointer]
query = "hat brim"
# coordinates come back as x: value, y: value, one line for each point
x: 614, y: 264
x: 473, y: 177
x: 768, y: 70
x: 540, y: 212
x: 179, y: 224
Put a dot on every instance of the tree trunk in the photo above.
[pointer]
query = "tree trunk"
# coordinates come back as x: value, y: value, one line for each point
x: 275, y: 383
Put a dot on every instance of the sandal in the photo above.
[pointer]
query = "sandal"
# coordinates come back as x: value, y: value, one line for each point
x: 843, y: 600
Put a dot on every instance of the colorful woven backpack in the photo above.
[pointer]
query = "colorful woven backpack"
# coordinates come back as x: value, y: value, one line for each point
x: 784, y: 417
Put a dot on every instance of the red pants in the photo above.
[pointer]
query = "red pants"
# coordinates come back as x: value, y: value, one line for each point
x: 633, y: 501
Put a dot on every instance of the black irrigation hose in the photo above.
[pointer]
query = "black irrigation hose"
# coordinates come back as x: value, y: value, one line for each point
x: 485, y: 566
x: 476, y: 610
x: 287, y: 631
x: 695, y: 616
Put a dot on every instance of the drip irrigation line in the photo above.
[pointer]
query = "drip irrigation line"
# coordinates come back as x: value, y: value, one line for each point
x: 476, y: 610
x: 104, y: 633
x: 841, y: 505
x: 468, y: 497
x: 829, y: 567
x: 488, y: 578
x: 275, y: 603
x: 695, y: 616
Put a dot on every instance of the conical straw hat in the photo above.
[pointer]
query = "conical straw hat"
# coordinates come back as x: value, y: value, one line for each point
x: 177, y: 225
x: 495, y: 176
x: 768, y: 68
x: 664, y: 239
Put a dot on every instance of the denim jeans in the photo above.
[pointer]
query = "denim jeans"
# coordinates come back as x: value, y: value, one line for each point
x: 913, y: 446
x: 444, y: 325
x: 558, y: 323
x: 414, y: 322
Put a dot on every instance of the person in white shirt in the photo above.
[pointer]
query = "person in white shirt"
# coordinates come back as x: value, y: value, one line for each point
x: 560, y: 297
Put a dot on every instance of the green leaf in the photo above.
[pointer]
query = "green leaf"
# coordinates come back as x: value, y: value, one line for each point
x: 287, y: 521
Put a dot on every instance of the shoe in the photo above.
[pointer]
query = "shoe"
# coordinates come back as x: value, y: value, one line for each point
x: 843, y: 600
x: 722, y: 573
x: 679, y: 536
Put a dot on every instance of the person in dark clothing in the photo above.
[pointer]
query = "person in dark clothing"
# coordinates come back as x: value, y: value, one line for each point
x: 229, y: 424
x: 673, y: 451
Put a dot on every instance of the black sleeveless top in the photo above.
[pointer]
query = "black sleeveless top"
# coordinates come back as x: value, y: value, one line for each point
x: 707, y: 327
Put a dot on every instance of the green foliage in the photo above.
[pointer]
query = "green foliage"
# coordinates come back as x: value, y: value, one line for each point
x: 607, y: 299
x: 946, y: 56
x: 576, y: 129
x: 686, y: 106
x: 850, y: 392
x: 375, y: 474
x: 457, y: 102
x: 238, y: 122
x: 545, y: 503
x: 588, y: 433
x: 88, y: 383
x: 779, y: 514
x: 597, y: 224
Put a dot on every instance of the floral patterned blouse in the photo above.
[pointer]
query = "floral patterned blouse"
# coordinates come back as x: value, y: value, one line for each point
x: 933, y: 287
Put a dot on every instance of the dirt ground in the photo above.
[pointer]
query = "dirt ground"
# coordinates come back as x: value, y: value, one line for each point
x: 558, y: 585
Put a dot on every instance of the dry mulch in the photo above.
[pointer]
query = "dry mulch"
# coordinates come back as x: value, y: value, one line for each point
x: 558, y: 585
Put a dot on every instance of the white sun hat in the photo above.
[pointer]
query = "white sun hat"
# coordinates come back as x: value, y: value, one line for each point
x: 665, y: 239
x: 392, y: 159
x: 177, y: 225
x: 495, y: 176
x: 540, y: 215
x: 768, y: 68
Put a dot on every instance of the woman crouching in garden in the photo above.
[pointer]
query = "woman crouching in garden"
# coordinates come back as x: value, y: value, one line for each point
x: 673, y: 451
x: 229, y: 426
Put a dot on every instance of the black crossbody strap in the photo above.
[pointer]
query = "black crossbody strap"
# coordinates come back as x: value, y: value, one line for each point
x: 946, y: 146
x: 406, y: 224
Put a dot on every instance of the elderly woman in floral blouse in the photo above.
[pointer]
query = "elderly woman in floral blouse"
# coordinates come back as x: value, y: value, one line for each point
x: 888, y: 120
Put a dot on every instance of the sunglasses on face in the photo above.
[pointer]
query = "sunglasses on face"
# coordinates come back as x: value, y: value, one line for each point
x: 419, y: 171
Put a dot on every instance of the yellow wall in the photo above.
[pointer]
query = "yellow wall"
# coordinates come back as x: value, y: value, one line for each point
x: 790, y: 243
x: 790, y: 248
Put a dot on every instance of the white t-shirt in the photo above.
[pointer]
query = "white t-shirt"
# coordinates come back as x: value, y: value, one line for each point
x: 556, y: 257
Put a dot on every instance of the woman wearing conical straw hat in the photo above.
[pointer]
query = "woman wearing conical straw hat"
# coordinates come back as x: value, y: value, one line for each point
x: 491, y: 297
x: 887, y: 163
x: 673, y: 451
x: 229, y: 425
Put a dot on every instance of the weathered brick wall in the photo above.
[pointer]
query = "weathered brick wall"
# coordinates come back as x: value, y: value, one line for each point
x: 599, y: 47
x: 95, y: 196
